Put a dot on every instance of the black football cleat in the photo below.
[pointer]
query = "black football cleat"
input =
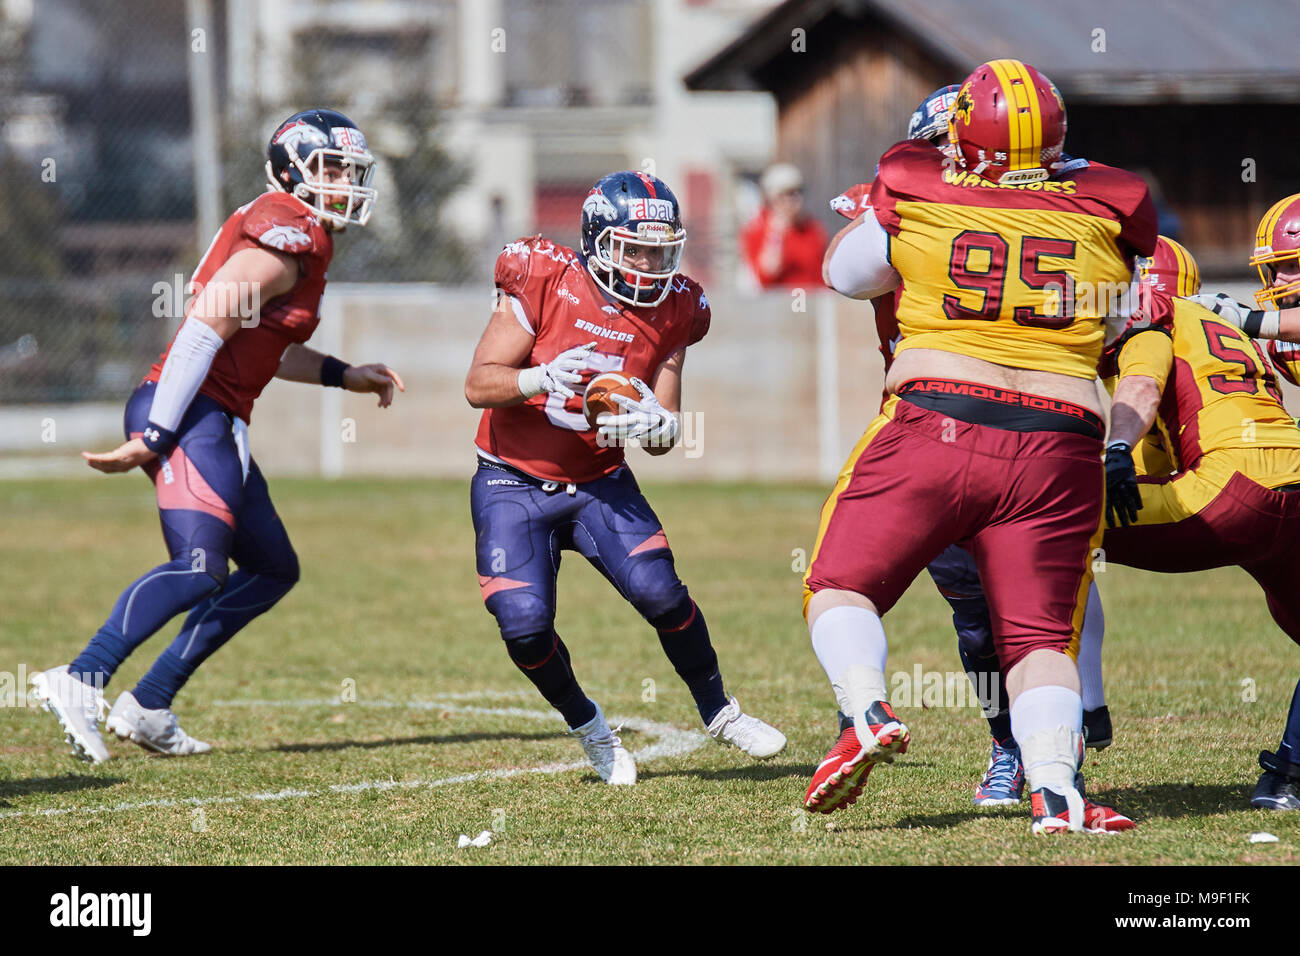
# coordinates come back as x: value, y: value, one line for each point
x: 1097, y: 732
x: 1279, y: 786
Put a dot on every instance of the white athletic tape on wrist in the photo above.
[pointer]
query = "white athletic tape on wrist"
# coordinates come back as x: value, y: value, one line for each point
x: 1270, y: 325
x: 531, y: 381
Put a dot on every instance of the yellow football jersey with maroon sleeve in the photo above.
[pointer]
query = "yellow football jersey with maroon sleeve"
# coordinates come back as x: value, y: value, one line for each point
x: 1023, y: 275
x: 1220, y: 392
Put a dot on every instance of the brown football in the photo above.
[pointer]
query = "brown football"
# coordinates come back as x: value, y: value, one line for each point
x: 599, y: 396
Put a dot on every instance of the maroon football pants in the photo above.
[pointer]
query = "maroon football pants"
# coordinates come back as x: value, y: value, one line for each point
x: 1245, y: 525
x: 1027, y: 504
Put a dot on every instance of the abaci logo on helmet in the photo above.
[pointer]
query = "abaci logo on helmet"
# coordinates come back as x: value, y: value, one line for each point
x: 349, y: 138
x: 646, y: 208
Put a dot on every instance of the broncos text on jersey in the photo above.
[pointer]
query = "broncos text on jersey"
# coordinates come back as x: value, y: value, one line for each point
x: 554, y: 297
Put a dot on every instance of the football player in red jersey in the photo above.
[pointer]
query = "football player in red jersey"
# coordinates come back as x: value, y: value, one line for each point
x: 547, y: 481
x: 992, y: 435
x: 257, y: 298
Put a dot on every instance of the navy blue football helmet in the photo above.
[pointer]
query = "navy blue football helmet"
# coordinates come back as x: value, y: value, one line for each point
x: 930, y: 119
x: 632, y: 237
x: 297, y: 156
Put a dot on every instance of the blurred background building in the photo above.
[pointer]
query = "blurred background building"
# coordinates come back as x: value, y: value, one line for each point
x: 1188, y: 94
x: 129, y: 129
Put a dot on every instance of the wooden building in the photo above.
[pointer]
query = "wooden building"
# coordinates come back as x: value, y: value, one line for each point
x: 1202, y: 97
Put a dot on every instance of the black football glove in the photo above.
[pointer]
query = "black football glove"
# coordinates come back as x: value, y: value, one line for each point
x: 1123, y: 498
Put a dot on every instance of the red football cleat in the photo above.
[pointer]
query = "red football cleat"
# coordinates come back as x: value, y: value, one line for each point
x: 838, y: 779
x: 1102, y: 819
x: 1051, y: 814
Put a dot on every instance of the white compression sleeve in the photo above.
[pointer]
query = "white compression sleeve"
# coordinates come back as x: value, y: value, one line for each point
x: 860, y: 267
x: 1094, y: 629
x: 192, y: 351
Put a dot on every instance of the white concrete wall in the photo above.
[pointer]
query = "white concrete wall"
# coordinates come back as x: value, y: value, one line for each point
x: 751, y: 390
x: 772, y: 393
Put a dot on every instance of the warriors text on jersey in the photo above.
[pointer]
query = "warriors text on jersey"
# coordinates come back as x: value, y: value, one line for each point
x: 1021, y: 276
x: 555, y: 298
x: 251, y: 357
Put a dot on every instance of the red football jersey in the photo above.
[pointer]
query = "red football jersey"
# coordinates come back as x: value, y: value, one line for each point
x: 547, y: 436
x: 251, y: 357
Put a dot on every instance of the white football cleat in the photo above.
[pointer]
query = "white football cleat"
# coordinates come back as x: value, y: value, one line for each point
x: 77, y: 706
x: 753, y: 736
x: 156, y: 730
x: 605, y: 751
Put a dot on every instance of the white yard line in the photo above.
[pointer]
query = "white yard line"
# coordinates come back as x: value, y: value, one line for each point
x: 670, y: 742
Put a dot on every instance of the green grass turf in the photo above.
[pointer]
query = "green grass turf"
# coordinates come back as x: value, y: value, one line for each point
x: 388, y: 599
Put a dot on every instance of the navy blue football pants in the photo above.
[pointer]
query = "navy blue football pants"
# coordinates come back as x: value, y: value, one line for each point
x: 211, y: 513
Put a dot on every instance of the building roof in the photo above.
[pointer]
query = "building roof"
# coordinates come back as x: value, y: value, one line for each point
x: 1154, y: 50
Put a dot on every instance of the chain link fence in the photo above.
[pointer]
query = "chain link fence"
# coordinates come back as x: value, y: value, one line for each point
x: 98, y: 231
x: 129, y: 129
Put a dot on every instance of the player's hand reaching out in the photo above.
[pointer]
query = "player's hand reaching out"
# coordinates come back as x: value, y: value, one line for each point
x: 126, y: 456
x: 557, y: 374
x: 1257, y: 323
x: 377, y: 378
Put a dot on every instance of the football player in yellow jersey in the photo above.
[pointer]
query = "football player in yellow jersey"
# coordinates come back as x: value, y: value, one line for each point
x: 992, y: 436
x: 1268, y: 554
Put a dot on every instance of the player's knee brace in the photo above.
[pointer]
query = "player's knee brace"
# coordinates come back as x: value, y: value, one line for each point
x: 520, y: 613
x: 655, y: 590
x: 676, y: 618
x: 532, y: 650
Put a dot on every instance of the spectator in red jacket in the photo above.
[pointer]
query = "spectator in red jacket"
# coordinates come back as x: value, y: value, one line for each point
x: 783, y: 245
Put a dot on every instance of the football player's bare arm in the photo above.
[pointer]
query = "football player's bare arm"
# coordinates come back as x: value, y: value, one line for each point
x: 1282, y: 324
x: 266, y: 272
x: 667, y: 386
x: 1133, y: 409
x: 301, y: 364
x: 213, y: 318
x: 1144, y: 365
x: 1288, y: 325
x: 493, y: 379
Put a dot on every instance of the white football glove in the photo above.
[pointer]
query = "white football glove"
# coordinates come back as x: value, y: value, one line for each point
x: 644, y: 420
x: 1257, y: 323
x: 557, y: 374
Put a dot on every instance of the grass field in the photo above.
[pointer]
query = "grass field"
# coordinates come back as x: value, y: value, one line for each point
x: 445, y: 737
